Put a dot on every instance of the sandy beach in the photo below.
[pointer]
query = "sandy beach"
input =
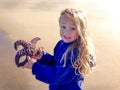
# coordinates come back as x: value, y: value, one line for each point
x: 26, y: 20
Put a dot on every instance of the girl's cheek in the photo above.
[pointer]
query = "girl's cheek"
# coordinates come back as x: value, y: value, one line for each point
x: 60, y: 33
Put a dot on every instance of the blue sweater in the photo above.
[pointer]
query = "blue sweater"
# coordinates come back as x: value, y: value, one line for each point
x: 50, y: 69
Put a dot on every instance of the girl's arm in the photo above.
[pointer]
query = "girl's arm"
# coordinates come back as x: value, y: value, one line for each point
x: 46, y: 59
x: 51, y: 74
x: 43, y: 57
x: 55, y: 74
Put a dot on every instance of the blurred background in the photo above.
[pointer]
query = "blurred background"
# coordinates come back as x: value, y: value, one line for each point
x: 26, y: 19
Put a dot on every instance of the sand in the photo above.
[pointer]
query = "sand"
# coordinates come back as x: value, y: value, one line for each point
x: 26, y: 23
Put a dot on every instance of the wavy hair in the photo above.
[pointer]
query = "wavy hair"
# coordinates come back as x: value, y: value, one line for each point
x: 85, y: 59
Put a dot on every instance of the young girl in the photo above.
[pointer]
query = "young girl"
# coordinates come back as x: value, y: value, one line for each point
x: 73, y: 55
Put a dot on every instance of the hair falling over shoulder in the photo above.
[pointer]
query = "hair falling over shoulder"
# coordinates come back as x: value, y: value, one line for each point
x: 86, y: 58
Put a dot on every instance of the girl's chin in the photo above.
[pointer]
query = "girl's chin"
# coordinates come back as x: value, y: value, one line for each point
x: 67, y: 41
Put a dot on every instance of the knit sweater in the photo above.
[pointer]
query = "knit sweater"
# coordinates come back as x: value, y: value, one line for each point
x: 50, y: 69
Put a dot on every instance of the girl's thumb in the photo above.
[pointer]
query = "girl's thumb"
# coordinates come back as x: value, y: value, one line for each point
x: 28, y: 58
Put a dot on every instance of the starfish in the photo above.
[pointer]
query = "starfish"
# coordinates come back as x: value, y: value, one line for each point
x: 29, y: 49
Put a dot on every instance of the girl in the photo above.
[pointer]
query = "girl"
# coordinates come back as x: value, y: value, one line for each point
x: 73, y: 55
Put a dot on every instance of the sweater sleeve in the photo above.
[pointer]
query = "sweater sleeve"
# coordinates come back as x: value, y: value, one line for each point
x: 53, y: 74
x: 56, y: 74
x: 47, y: 59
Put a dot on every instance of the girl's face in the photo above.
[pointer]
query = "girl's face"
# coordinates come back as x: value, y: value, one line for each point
x: 68, y: 30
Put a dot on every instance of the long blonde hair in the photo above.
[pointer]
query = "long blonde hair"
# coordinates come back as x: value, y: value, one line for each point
x: 85, y: 58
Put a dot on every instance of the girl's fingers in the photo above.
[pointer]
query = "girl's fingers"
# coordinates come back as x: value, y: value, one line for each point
x: 40, y: 53
x: 29, y: 58
x: 29, y: 63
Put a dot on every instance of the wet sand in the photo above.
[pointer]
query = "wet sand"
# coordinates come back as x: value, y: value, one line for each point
x: 28, y: 23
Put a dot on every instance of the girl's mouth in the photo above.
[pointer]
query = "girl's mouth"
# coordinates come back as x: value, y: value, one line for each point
x: 66, y: 37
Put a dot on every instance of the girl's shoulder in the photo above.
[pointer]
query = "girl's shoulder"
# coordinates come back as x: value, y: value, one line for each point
x: 58, y: 44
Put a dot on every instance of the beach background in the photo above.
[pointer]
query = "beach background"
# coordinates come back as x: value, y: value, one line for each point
x: 26, y: 19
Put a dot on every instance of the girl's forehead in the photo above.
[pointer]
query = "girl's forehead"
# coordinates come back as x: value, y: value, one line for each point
x: 66, y: 19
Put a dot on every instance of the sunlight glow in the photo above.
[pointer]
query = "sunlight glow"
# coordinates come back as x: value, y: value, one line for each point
x: 111, y: 7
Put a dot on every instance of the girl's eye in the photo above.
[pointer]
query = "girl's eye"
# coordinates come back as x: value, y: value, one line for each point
x: 72, y: 28
x: 63, y: 27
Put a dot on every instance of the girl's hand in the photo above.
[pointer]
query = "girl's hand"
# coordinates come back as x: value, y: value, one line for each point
x: 29, y: 64
x: 33, y: 59
x: 39, y: 54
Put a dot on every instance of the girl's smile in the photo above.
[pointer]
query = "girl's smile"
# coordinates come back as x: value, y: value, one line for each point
x: 66, y: 37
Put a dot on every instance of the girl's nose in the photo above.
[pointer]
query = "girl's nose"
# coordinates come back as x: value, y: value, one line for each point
x: 67, y: 31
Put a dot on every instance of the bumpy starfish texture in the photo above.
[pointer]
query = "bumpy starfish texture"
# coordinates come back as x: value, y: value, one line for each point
x: 29, y: 49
